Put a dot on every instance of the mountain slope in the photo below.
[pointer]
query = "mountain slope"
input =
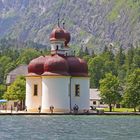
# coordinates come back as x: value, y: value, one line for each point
x: 95, y: 23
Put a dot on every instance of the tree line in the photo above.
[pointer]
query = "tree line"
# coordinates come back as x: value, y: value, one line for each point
x: 116, y: 75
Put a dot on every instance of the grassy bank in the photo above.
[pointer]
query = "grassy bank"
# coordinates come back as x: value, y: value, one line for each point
x: 120, y: 109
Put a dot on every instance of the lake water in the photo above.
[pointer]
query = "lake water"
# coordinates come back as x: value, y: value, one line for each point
x: 70, y: 127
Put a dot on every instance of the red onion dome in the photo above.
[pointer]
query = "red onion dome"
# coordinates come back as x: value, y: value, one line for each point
x: 36, y: 66
x: 55, y: 65
x: 57, y: 34
x: 67, y: 37
x: 77, y: 67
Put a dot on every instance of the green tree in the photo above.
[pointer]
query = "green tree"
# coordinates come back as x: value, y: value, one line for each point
x: 132, y: 91
x: 120, y: 57
x: 136, y: 58
x: 4, y: 62
x: 86, y: 58
x: 96, y: 70
x: 110, y: 90
x: 129, y: 59
x: 99, y: 66
x: 26, y: 55
x: 119, y: 64
x: 2, y: 90
x: 16, y: 91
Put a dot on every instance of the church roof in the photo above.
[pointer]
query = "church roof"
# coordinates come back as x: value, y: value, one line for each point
x: 20, y: 70
x: 59, y: 33
x: 58, y: 65
x: 36, y: 66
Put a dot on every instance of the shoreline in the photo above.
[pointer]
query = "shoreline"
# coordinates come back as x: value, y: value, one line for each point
x: 91, y: 113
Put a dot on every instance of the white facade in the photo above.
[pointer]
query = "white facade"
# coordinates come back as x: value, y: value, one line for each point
x: 57, y: 47
x: 33, y: 101
x: 55, y: 91
x: 83, y: 99
x: 95, y: 99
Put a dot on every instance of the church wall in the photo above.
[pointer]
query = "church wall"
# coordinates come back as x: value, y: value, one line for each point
x: 33, y: 101
x: 83, y: 99
x: 55, y: 92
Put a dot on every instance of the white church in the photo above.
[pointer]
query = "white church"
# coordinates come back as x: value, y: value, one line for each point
x: 60, y: 79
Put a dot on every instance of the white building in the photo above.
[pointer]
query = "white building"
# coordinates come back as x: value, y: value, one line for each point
x: 95, y: 99
x: 59, y: 80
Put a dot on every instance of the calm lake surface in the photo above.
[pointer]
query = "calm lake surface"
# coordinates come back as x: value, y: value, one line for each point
x: 70, y: 127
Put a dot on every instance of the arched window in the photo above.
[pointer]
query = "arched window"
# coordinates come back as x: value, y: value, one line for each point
x: 57, y: 47
x: 77, y: 90
x: 35, y: 90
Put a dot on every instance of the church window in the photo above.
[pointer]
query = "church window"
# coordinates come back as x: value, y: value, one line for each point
x: 62, y: 46
x: 57, y: 47
x: 101, y: 102
x: 94, y: 102
x: 77, y: 90
x: 35, y: 90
